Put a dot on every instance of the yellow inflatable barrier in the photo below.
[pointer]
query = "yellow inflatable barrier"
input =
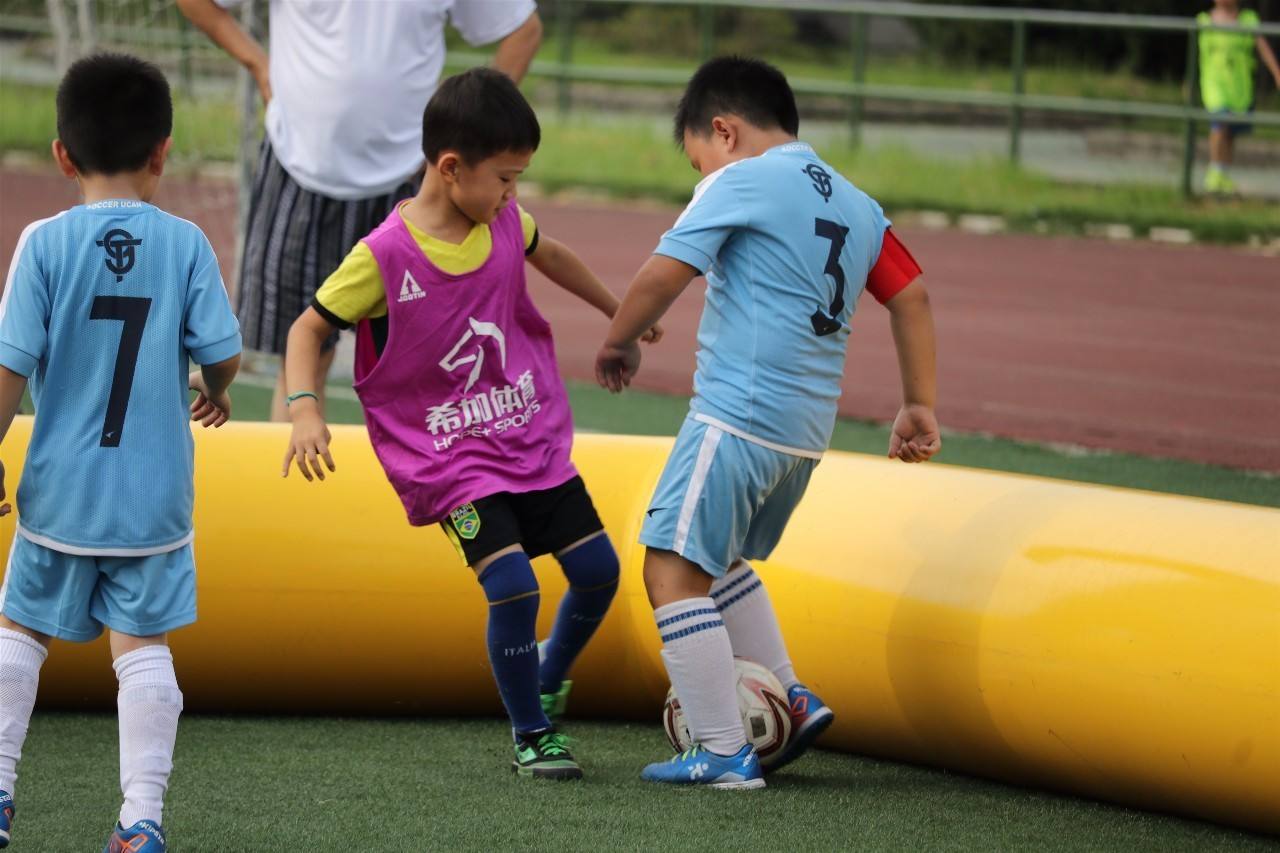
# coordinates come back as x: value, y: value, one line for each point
x: 1111, y: 643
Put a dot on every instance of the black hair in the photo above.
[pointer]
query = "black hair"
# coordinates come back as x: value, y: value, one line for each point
x: 113, y: 110
x: 736, y: 85
x: 478, y: 113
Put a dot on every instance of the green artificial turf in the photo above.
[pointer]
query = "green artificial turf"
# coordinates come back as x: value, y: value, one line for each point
x: 642, y: 413
x: 321, y: 784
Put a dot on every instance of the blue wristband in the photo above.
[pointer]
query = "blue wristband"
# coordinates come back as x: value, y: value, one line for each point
x: 289, y: 400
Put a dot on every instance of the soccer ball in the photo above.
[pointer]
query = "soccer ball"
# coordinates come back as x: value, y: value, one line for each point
x: 762, y: 701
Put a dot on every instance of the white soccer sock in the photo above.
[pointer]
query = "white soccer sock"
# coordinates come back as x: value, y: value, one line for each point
x: 749, y: 618
x: 699, y: 659
x: 20, y: 660
x: 149, y: 704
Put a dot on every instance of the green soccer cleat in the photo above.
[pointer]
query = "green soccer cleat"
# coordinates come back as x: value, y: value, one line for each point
x: 545, y: 755
x: 555, y: 704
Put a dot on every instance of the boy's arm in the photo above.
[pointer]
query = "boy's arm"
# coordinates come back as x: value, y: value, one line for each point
x: 1269, y: 59
x: 212, y: 405
x: 309, y: 442
x: 11, y: 387
x: 915, y: 435
x: 223, y: 29
x: 562, y: 265
x: 660, y: 281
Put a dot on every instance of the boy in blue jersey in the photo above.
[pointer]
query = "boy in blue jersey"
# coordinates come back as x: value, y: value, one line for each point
x: 104, y: 306
x: 787, y: 246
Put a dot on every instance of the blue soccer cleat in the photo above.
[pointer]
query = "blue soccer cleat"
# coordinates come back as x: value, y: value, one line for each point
x: 697, y: 766
x: 6, y: 817
x: 810, y: 717
x: 145, y: 836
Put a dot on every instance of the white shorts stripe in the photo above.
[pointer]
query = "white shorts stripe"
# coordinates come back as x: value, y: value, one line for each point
x: 4, y: 588
x: 706, y: 452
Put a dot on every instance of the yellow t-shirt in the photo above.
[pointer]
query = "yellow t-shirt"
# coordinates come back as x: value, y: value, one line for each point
x: 355, y: 291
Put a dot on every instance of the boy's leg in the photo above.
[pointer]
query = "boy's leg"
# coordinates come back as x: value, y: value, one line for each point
x: 748, y: 616
x: 142, y: 599
x: 694, y: 530
x: 696, y: 650
x: 591, y: 567
x: 45, y: 594
x: 512, y: 591
x: 564, y: 521
x: 487, y: 537
x: 149, y: 704
x: 22, y: 653
x: 1216, y: 178
x: 753, y: 627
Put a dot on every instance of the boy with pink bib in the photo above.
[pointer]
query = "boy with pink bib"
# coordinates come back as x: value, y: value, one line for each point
x: 466, y: 410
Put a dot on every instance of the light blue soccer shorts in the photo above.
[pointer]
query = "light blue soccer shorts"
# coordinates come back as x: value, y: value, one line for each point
x: 722, y: 498
x: 72, y: 596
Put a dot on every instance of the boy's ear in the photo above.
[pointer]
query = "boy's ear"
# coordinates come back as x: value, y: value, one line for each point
x: 63, y: 158
x: 155, y: 164
x: 726, y: 131
x: 448, y: 164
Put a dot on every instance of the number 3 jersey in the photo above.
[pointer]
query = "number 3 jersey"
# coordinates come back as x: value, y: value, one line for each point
x: 103, y: 306
x: 786, y: 244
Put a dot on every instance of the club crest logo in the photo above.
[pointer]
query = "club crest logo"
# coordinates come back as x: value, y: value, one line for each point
x: 466, y: 521
x: 120, y: 247
x: 821, y: 180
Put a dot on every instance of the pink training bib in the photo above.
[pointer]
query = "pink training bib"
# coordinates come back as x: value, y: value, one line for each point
x: 466, y: 399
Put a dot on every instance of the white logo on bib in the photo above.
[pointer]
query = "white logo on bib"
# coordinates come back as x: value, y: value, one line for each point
x: 453, y: 361
x: 409, y: 289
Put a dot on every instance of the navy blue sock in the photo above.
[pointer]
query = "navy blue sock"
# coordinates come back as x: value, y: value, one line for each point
x: 512, y: 591
x: 592, y: 572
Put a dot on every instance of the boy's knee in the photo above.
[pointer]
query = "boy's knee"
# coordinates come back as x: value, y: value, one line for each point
x: 31, y: 633
x: 508, y: 577
x: 591, y: 564
x: 669, y: 577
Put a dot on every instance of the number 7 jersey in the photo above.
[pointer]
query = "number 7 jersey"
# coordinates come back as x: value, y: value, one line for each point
x: 103, y: 307
x: 786, y: 244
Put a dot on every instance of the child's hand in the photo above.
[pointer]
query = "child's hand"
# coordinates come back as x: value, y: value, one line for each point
x: 653, y: 335
x: 5, y: 508
x: 616, y: 365
x: 915, y: 435
x: 309, y: 443
x: 209, y: 410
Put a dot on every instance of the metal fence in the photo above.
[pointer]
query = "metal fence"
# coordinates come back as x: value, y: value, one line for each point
x: 857, y: 90
x: 155, y: 25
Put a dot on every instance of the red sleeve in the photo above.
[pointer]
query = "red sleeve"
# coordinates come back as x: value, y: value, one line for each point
x: 894, y: 269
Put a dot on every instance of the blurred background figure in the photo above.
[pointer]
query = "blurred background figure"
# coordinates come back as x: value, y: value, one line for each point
x: 345, y: 83
x: 1227, y: 68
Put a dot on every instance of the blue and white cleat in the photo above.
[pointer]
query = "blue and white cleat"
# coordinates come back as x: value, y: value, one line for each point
x: 697, y: 766
x: 810, y: 717
x: 6, y: 817
x: 145, y: 836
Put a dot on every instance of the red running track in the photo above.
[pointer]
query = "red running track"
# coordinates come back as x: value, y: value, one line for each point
x: 1158, y: 350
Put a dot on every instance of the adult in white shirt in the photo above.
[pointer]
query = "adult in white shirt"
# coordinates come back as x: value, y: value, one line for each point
x: 345, y: 85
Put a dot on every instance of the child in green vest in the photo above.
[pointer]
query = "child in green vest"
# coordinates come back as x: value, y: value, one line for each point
x: 1226, y: 81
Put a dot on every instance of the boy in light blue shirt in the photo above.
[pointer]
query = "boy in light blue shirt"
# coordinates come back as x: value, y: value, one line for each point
x: 104, y: 306
x: 787, y: 246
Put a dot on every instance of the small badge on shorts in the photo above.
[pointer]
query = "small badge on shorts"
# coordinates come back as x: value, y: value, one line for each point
x: 466, y: 521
